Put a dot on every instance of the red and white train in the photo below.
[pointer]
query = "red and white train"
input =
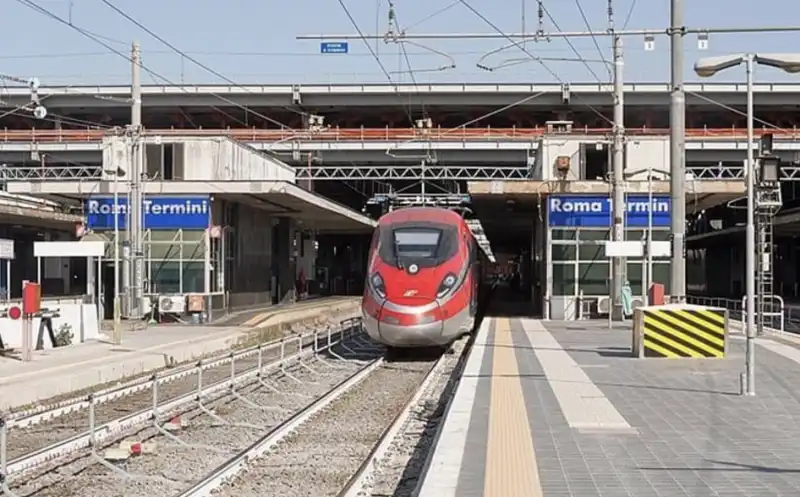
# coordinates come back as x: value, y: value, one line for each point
x: 423, y: 278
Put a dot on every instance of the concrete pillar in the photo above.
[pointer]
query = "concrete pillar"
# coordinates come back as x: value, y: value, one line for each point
x: 283, y: 261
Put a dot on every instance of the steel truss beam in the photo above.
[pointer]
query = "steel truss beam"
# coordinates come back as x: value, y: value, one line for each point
x: 788, y: 172
x: 417, y: 172
x: 387, y: 172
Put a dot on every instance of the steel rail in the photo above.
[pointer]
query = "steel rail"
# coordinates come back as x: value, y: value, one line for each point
x: 233, y: 466
x: 29, y: 417
x: 358, y: 483
x: 109, y: 429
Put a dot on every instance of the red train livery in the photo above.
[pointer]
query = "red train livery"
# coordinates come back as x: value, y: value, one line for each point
x: 422, y: 278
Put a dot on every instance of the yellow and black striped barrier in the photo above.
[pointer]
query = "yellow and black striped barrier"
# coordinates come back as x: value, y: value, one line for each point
x: 677, y: 331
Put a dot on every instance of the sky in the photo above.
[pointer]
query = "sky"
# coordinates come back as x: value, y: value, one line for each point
x: 254, y: 41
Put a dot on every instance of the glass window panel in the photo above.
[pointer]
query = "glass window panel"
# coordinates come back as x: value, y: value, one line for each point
x: 564, y: 253
x: 586, y: 234
x: 634, y: 235
x: 164, y: 236
x: 193, y: 277
x: 635, y: 277
x: 592, y: 252
x: 165, y: 277
x: 593, y: 278
x: 194, y: 235
x: 661, y: 235
x: 563, y: 234
x: 563, y: 279
x: 168, y: 250
x: 661, y: 274
x: 194, y: 251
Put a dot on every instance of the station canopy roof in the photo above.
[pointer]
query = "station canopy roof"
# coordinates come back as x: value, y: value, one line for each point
x: 279, y: 198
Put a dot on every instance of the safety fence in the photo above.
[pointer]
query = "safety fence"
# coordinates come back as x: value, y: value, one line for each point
x: 777, y: 316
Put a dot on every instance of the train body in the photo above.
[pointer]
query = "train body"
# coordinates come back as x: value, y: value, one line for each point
x: 423, y: 278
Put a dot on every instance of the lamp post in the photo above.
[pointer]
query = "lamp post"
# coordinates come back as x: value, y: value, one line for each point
x: 706, y: 68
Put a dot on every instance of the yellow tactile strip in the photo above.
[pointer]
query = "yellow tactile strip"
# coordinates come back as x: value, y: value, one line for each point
x: 511, y: 469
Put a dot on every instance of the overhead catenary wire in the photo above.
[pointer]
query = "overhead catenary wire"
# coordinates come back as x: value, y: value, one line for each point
x: 533, y: 57
x: 589, y: 27
x: 38, y: 8
x: 569, y: 43
x: 195, y: 61
x: 355, y: 25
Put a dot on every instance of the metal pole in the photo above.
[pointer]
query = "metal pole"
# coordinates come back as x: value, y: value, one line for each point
x: 750, y: 235
x: 117, y: 318
x: 677, y: 166
x: 618, y: 195
x: 649, y: 241
x: 135, y: 206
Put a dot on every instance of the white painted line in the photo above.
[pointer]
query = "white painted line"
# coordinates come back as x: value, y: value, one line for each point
x: 441, y: 477
x: 583, y: 404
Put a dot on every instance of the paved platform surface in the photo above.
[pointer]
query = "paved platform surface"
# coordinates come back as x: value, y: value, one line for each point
x: 561, y: 409
x: 60, y: 371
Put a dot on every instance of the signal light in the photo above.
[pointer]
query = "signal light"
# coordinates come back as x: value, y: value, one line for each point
x: 14, y: 312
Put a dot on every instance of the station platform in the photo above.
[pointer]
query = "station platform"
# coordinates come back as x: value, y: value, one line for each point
x: 549, y: 408
x: 62, y: 371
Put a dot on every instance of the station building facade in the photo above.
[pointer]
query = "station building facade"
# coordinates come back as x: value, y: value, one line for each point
x: 196, y: 244
x: 577, y: 268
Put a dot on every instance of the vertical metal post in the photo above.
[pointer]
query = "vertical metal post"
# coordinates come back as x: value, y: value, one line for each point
x: 117, y: 339
x: 649, y: 243
x: 750, y: 236
x: 618, y: 194
x: 677, y: 166
x: 135, y: 206
x: 8, y: 279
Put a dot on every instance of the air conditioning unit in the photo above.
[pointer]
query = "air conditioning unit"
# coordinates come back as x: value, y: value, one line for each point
x: 603, y: 305
x: 171, y: 304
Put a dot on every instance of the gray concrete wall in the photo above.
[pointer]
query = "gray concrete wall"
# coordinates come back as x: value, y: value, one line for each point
x: 250, y: 281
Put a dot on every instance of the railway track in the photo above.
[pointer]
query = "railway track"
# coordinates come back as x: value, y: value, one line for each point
x: 346, y: 424
x: 25, y: 450
x: 49, y: 410
x: 346, y: 445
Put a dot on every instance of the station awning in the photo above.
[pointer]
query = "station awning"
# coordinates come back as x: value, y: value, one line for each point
x: 276, y: 197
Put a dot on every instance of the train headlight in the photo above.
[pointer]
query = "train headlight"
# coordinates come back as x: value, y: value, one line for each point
x: 376, y: 280
x: 448, y: 283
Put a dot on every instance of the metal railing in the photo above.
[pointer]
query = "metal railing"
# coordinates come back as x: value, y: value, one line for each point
x: 777, y: 318
x: 386, y: 133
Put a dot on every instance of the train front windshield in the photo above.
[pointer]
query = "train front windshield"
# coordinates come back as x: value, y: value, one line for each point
x: 425, y: 245
x: 416, y: 242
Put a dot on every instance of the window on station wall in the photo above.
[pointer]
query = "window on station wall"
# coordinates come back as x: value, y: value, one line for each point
x: 593, y: 278
x: 557, y: 234
x: 594, y: 234
x: 563, y: 279
x: 192, y: 277
x: 564, y: 253
x: 591, y: 252
x: 165, y: 277
x: 661, y: 274
x: 635, y: 277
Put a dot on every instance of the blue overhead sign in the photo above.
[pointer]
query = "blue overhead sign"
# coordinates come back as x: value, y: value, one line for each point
x: 334, y: 47
x: 160, y: 213
x: 595, y: 211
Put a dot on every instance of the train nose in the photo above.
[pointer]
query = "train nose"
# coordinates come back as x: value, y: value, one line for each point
x: 411, y: 325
